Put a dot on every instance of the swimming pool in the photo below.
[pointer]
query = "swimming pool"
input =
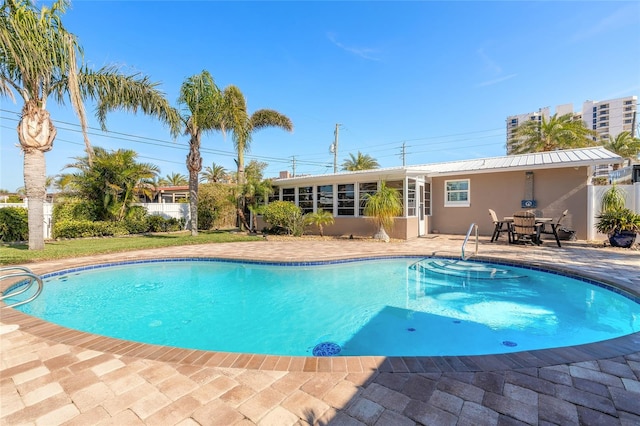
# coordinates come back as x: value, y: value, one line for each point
x: 385, y: 306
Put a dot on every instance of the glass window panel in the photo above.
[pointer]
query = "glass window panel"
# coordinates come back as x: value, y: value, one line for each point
x: 346, y: 200
x: 411, y: 197
x: 457, y: 193
x: 325, y: 198
x: 305, y: 199
x: 289, y: 194
x: 363, y: 189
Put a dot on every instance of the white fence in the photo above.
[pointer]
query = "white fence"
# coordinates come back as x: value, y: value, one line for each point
x: 594, y: 198
x: 166, y: 210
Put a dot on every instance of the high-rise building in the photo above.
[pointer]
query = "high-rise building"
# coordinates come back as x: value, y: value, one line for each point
x: 610, y: 117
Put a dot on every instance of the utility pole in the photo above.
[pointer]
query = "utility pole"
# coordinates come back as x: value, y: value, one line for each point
x: 294, y: 165
x: 334, y: 149
x: 404, y: 152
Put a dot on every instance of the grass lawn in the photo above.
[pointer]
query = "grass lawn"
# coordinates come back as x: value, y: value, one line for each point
x: 19, y: 253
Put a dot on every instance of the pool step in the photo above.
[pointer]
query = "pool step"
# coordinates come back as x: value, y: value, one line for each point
x: 460, y: 268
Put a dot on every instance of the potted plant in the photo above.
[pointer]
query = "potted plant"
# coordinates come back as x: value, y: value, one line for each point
x: 618, y: 222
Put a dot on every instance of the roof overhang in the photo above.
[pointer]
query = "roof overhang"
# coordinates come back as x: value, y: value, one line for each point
x: 582, y: 157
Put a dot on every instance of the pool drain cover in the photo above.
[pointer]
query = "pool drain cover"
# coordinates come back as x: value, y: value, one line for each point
x: 509, y: 343
x: 326, y: 349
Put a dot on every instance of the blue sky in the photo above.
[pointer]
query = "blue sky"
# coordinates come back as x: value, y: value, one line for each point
x: 440, y: 77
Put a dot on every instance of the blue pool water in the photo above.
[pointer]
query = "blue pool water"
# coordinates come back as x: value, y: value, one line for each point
x: 394, y: 307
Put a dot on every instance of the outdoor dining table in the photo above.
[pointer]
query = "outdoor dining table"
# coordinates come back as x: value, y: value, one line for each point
x: 539, y: 221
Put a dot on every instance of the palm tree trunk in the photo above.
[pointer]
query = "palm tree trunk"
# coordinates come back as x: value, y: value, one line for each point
x: 194, y: 165
x: 34, y: 183
x: 381, y: 235
x: 36, y: 133
x: 193, y: 202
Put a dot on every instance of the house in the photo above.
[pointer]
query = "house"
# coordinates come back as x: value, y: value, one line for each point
x: 448, y: 197
x: 165, y: 194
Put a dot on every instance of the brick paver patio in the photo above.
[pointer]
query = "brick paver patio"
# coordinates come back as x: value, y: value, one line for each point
x: 50, y: 375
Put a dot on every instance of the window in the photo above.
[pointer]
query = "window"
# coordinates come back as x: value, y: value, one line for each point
x: 289, y: 194
x: 427, y: 198
x: 364, y: 189
x: 411, y: 197
x: 305, y: 199
x: 346, y: 200
x: 398, y: 185
x: 456, y: 193
x: 275, y: 195
x: 325, y: 198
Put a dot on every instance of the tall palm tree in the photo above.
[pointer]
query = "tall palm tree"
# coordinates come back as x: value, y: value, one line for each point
x: 242, y: 125
x: 382, y: 208
x: 39, y: 59
x: 624, y: 145
x: 563, y: 132
x: 202, y: 112
x: 176, y: 179
x: 214, y: 174
x: 360, y: 162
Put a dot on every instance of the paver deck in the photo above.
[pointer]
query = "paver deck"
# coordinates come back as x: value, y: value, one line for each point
x: 50, y: 375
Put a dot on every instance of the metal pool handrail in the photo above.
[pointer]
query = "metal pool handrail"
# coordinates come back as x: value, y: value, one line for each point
x: 464, y: 256
x: 27, y: 273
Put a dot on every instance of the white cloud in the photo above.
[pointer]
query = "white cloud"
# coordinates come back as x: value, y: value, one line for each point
x: 365, y: 53
x: 489, y: 63
x: 497, y: 80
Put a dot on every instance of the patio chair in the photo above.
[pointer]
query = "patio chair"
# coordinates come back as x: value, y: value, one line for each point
x: 554, y: 227
x: 500, y: 226
x: 524, y: 228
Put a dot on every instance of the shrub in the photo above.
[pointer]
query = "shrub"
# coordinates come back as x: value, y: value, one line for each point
x: 135, y: 225
x: 215, y: 206
x: 158, y: 223
x: 286, y: 215
x: 86, y: 228
x: 73, y: 208
x: 137, y: 220
x: 14, y: 224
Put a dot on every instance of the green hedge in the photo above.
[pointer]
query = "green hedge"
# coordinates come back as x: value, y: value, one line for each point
x: 86, y: 228
x: 158, y: 223
x: 14, y: 224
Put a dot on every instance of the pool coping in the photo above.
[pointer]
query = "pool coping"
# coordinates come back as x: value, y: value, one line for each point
x: 347, y: 364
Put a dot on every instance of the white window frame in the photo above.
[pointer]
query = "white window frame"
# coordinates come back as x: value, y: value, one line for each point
x: 465, y: 203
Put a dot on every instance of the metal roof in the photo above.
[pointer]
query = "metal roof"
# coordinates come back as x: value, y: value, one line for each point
x: 540, y: 160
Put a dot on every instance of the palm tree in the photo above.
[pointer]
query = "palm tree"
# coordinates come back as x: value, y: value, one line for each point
x: 360, y: 162
x: 253, y: 193
x: 39, y: 59
x: 564, y: 132
x: 320, y: 219
x: 242, y: 125
x: 214, y: 174
x: 624, y: 145
x: 382, y: 208
x: 202, y: 102
x: 108, y: 181
x: 175, y: 179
